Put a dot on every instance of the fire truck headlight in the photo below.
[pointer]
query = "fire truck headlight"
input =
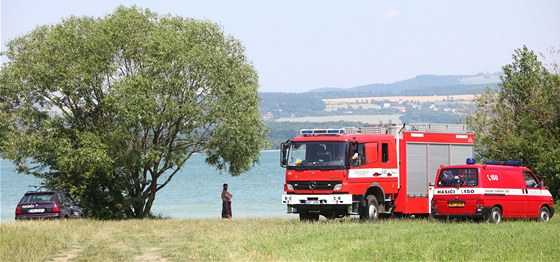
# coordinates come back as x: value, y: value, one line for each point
x: 290, y: 187
x: 337, y: 187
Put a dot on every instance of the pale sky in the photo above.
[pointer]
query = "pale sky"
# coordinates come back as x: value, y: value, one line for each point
x: 298, y: 45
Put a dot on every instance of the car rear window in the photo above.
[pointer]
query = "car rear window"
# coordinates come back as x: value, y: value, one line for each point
x: 458, y: 177
x: 34, y: 198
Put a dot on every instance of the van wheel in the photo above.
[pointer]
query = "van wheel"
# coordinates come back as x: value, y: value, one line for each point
x: 371, y: 211
x: 544, y: 215
x: 495, y: 215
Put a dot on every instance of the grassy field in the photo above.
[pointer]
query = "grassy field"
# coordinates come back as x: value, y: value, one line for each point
x: 278, y: 240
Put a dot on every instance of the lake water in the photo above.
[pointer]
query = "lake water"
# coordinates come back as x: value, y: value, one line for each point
x: 193, y: 193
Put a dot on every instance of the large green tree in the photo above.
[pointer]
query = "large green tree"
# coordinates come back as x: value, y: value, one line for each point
x: 111, y: 108
x: 521, y: 121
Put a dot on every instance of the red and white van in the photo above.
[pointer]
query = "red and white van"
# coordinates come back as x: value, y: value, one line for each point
x: 492, y: 191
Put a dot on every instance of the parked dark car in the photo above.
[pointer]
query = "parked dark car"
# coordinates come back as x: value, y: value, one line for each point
x: 47, y: 204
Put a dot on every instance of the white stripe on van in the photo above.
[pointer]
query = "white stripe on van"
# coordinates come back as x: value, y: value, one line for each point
x: 490, y: 191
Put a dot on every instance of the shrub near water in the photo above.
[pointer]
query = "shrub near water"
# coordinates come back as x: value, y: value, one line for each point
x: 278, y: 239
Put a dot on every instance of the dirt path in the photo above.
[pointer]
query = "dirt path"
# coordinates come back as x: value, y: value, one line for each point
x: 150, y: 254
x: 71, y: 254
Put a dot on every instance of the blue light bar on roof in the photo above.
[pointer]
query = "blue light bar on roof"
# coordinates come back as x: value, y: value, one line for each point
x: 335, y: 131
x: 317, y: 132
x: 505, y: 163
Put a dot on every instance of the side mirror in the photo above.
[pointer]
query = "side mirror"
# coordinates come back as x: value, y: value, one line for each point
x: 284, y: 153
x: 540, y: 184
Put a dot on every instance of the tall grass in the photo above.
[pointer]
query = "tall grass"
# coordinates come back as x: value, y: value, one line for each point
x: 278, y: 239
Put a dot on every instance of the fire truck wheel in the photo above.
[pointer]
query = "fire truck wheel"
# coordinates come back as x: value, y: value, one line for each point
x: 372, y: 208
x: 495, y: 215
x: 308, y: 217
x: 314, y: 217
x: 544, y: 215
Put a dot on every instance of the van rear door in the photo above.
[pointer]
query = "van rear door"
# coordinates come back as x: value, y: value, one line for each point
x: 456, y: 191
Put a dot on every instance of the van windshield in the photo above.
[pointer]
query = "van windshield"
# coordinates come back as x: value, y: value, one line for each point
x: 457, y: 177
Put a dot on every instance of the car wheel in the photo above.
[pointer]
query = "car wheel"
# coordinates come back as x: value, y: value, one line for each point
x: 495, y: 215
x: 544, y: 215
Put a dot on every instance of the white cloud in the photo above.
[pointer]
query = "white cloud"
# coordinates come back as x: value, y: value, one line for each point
x: 390, y: 14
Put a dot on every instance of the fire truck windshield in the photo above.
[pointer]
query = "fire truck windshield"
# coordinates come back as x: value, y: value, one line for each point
x: 317, y: 155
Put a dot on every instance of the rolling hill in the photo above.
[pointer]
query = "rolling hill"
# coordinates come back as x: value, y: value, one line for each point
x: 419, y: 85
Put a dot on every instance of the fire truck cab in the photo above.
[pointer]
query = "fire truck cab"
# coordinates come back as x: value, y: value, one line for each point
x: 368, y: 171
x: 491, y: 191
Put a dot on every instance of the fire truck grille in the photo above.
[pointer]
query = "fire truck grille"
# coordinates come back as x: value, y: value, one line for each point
x: 315, y: 185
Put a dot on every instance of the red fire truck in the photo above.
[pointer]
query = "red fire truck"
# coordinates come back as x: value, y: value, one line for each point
x: 369, y: 171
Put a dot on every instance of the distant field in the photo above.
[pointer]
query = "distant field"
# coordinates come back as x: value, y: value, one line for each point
x: 334, y: 107
x: 278, y: 239
x: 420, y: 99
x: 369, y: 119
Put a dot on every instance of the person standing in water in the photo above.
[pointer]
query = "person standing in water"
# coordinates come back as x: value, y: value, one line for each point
x: 226, y: 202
